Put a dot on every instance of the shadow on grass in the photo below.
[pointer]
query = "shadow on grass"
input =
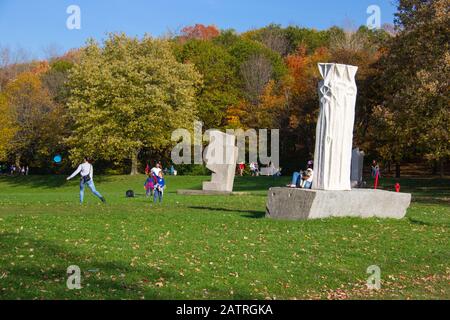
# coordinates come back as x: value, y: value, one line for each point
x: 44, y: 181
x: 253, y: 214
x: 42, y: 280
x: 428, y: 223
x: 45, y: 277
x: 259, y: 183
x: 47, y: 181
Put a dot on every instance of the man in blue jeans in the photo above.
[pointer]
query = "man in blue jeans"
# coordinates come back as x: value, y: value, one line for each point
x: 86, y: 171
x: 303, y: 179
x: 296, y: 179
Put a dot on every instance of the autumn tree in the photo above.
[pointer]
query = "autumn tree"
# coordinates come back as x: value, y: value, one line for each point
x: 255, y: 66
x: 265, y: 115
x: 199, y: 32
x: 362, y: 48
x: 36, y: 118
x: 413, y: 114
x: 298, y: 123
x: 7, y: 128
x: 127, y: 95
x: 12, y: 63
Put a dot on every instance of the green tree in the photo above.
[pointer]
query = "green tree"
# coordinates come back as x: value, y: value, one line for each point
x: 55, y: 79
x: 243, y: 50
x: 220, y: 85
x: 309, y: 38
x: 273, y: 37
x: 127, y: 95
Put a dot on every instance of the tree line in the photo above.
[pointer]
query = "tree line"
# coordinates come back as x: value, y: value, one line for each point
x: 119, y: 100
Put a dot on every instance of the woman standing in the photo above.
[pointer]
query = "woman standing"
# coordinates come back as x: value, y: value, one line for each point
x: 375, y: 170
x: 86, y: 170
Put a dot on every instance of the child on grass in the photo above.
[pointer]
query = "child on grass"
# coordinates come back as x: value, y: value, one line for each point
x: 159, y: 187
x: 149, y: 185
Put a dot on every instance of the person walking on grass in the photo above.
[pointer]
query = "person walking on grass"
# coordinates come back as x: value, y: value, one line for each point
x: 86, y: 170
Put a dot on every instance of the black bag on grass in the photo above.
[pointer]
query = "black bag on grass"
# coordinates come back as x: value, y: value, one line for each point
x: 129, y: 194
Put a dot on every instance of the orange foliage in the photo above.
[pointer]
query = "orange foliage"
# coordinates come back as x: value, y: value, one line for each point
x: 264, y: 115
x: 236, y: 114
x: 40, y: 67
x: 303, y: 71
x: 200, y: 32
x: 301, y: 83
x: 296, y: 91
x: 73, y: 55
x: 272, y: 104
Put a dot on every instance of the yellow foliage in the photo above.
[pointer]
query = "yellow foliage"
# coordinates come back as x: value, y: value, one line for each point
x: 7, y: 129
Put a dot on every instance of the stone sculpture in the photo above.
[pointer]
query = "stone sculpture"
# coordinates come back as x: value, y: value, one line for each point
x: 334, y: 133
x: 220, y: 157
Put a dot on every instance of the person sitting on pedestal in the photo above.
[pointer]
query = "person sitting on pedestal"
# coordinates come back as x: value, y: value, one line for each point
x: 296, y: 180
x: 307, y: 179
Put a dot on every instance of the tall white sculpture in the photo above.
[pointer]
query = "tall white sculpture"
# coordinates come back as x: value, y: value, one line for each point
x: 334, y: 133
x: 220, y: 157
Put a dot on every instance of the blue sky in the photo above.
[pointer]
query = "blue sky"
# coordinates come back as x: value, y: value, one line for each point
x: 36, y: 25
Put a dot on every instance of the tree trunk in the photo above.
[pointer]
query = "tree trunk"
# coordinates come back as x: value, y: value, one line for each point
x: 134, y: 163
x: 441, y: 168
x: 397, y: 170
x: 17, y: 160
x: 434, y: 168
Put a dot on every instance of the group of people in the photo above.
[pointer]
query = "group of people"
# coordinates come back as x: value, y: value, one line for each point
x: 14, y: 170
x: 155, y: 183
x: 303, y: 178
x: 255, y: 170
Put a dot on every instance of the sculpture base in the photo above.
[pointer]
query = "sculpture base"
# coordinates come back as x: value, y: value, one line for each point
x: 302, y: 204
x: 216, y: 187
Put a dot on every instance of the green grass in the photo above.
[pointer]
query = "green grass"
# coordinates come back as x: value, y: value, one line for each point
x: 213, y: 247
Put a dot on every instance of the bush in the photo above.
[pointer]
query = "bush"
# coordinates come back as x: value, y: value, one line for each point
x: 192, y: 170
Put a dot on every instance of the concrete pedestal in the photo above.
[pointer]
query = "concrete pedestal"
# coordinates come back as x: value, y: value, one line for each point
x: 301, y: 204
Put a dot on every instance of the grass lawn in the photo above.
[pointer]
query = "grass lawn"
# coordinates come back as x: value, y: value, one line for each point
x: 213, y: 247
